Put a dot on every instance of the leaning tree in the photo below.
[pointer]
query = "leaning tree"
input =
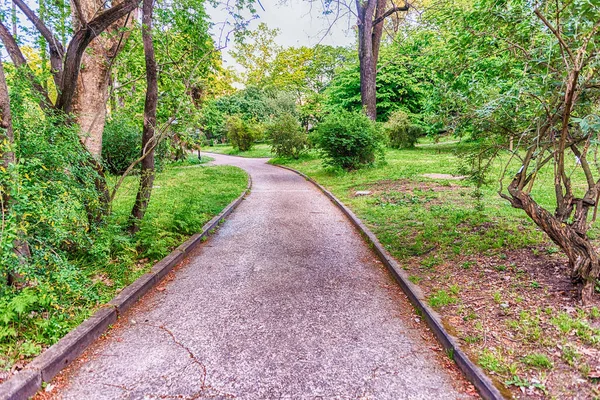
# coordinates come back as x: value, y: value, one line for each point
x: 532, y: 69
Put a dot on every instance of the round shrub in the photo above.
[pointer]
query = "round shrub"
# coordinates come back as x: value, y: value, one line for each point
x: 121, y: 143
x: 348, y: 140
x: 401, y: 133
x: 288, y: 138
x: 240, y: 133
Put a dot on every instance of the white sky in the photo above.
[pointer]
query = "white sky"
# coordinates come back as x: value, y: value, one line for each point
x: 298, y: 25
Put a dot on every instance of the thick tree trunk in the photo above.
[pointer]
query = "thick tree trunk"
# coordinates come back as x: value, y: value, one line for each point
x: 148, y: 136
x: 7, y: 156
x: 91, y: 95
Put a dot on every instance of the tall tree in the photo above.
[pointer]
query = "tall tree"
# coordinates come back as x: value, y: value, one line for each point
x: 256, y: 52
x: 147, y: 172
x: 371, y: 17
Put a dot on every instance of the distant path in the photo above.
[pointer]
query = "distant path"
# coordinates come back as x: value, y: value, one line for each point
x: 285, y: 301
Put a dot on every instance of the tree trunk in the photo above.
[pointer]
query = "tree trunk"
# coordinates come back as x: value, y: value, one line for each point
x: 571, y: 238
x: 91, y: 95
x: 148, y: 136
x: 20, y: 246
x: 368, y: 64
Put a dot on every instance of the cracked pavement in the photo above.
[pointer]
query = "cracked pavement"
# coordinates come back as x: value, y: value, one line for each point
x: 285, y: 301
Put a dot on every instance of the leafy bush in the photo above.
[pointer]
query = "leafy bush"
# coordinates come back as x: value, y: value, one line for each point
x: 401, y: 133
x: 288, y: 138
x: 240, y: 133
x: 348, y: 140
x: 121, y: 143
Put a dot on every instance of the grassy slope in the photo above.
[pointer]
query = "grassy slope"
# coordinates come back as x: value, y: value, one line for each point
x: 184, y: 198
x: 483, y: 265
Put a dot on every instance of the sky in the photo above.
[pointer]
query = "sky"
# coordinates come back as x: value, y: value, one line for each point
x: 298, y: 25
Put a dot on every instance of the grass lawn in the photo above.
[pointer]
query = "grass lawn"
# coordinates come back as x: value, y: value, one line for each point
x: 259, y: 150
x: 500, y: 285
x: 185, y: 196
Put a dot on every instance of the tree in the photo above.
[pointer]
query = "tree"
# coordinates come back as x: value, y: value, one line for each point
x: 532, y: 74
x: 149, y: 139
x: 91, y: 95
x: 371, y: 16
x: 255, y: 52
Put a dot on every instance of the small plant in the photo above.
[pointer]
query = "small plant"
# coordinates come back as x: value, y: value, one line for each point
x: 538, y: 360
x: 288, y: 138
x: 239, y: 133
x: 492, y: 362
x: 472, y: 339
x: 401, y: 133
x: 467, y: 264
x: 441, y: 298
x: 454, y: 289
x: 415, y: 279
x: 570, y: 355
x: 430, y: 262
x: 497, y: 297
x: 348, y: 140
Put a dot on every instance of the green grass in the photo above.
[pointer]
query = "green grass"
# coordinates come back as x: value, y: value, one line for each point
x: 184, y: 198
x: 259, y: 150
x: 537, y: 360
x: 421, y: 214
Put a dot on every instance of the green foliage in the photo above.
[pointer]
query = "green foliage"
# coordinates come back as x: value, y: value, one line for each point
x: 401, y: 133
x: 287, y: 137
x: 240, y: 133
x: 121, y: 143
x: 441, y: 298
x: 538, y: 360
x: 348, y: 140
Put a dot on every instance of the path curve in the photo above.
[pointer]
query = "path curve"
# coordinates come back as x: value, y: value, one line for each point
x: 285, y: 301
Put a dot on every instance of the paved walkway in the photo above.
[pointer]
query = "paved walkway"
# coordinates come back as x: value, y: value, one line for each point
x: 285, y: 301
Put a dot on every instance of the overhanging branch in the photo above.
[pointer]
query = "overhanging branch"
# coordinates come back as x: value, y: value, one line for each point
x: 391, y: 11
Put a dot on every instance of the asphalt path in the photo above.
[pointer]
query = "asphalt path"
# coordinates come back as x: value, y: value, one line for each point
x: 285, y: 301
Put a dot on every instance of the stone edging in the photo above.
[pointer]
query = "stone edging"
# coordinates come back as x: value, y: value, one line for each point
x: 472, y: 372
x: 47, y: 365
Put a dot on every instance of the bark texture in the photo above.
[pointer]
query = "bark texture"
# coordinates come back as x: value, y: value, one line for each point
x: 90, y: 99
x: 147, y: 172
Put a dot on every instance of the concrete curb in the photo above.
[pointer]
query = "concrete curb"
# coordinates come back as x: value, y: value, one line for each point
x: 47, y: 365
x: 472, y: 372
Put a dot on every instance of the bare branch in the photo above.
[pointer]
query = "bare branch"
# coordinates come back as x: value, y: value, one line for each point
x: 391, y: 11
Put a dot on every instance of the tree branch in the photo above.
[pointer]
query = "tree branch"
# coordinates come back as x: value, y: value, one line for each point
x: 79, y: 43
x: 391, y: 11
x: 57, y: 50
x: 19, y: 61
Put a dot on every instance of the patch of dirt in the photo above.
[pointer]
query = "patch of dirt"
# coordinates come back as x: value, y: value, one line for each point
x: 445, y: 176
x: 407, y: 185
x: 516, y: 315
x: 406, y: 192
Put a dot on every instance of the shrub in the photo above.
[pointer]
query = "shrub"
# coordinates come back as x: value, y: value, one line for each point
x: 401, y: 133
x: 348, y: 140
x: 240, y: 133
x: 121, y: 143
x: 288, y: 138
